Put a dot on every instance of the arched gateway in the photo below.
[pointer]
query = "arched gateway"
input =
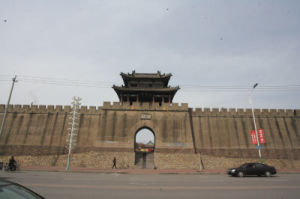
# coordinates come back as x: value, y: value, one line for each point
x: 144, y: 147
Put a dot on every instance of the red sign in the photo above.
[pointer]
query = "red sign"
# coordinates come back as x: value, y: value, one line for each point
x: 253, y: 137
x: 261, y: 136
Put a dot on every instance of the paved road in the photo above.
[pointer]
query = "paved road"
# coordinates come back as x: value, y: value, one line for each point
x: 98, y: 185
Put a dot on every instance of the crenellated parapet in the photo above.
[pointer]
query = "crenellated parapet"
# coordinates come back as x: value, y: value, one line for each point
x: 136, y: 106
x: 48, y: 109
x: 245, y: 112
x: 152, y: 107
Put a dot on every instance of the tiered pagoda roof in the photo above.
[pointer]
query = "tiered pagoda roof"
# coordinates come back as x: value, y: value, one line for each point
x: 145, y: 76
x: 146, y: 87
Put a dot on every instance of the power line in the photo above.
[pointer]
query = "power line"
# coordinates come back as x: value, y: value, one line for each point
x: 187, y: 87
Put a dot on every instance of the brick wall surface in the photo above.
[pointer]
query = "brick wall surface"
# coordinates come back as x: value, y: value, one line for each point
x: 180, y: 133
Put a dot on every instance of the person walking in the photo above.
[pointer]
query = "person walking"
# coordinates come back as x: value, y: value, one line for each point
x: 114, y: 163
x: 12, y: 165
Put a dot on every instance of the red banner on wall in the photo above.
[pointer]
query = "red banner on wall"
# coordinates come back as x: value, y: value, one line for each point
x: 261, y: 136
x: 253, y: 137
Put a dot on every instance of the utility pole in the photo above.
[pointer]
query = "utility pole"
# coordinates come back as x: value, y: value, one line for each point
x: 253, y: 116
x: 73, y: 130
x: 8, y: 101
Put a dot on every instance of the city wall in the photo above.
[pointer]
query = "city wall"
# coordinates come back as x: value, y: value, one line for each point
x: 181, y: 134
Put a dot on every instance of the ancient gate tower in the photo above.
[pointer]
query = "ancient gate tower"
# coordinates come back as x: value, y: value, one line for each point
x: 147, y: 92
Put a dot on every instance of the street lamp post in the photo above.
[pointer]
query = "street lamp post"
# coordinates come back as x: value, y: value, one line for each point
x: 6, y: 107
x: 253, y: 116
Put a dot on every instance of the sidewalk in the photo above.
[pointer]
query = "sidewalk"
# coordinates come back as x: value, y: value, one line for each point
x: 139, y: 171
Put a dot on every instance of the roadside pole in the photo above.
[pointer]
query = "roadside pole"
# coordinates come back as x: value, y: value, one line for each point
x: 253, y: 116
x: 200, y: 162
x: 73, y: 130
x: 6, y: 107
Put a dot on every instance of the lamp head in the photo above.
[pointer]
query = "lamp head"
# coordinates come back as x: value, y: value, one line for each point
x: 255, y: 85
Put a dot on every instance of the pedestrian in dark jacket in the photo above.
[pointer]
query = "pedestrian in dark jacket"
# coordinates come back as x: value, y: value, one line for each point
x: 114, y: 163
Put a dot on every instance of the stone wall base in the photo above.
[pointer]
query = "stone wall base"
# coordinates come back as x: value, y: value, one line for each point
x: 214, y: 162
x: 101, y: 160
x: 125, y: 160
x: 177, y: 160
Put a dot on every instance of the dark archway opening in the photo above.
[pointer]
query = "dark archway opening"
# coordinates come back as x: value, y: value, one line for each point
x: 144, y: 146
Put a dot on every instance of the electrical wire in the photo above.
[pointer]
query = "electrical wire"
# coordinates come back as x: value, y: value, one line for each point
x: 187, y: 87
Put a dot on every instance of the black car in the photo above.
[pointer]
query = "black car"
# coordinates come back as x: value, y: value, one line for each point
x: 257, y: 169
x: 11, y: 190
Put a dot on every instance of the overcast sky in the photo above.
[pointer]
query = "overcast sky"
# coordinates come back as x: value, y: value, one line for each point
x: 215, y: 49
